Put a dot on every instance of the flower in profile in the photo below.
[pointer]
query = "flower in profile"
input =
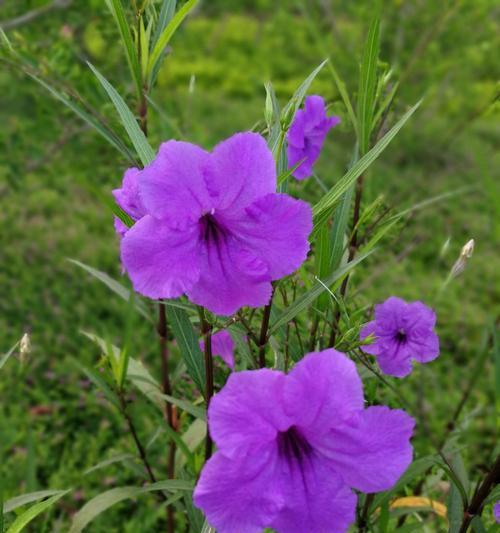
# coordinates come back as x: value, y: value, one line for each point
x: 496, y: 511
x: 292, y: 447
x: 223, y: 346
x: 127, y: 197
x: 307, y: 134
x: 214, y: 226
x: 402, y: 332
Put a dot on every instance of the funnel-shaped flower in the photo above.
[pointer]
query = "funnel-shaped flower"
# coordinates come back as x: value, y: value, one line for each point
x: 214, y: 227
x: 403, y: 332
x: 292, y: 447
x: 307, y: 134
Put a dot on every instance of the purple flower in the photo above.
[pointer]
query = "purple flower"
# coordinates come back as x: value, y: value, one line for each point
x: 127, y: 197
x: 403, y: 331
x: 496, y: 511
x: 307, y: 134
x: 223, y: 346
x: 214, y: 227
x: 292, y: 447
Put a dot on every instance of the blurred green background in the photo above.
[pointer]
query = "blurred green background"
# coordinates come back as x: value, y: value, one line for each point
x: 52, y: 424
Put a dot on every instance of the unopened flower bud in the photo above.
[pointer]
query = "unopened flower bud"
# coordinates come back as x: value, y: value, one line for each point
x: 461, y: 262
x: 24, y: 348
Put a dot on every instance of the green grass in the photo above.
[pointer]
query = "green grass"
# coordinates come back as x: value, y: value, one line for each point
x: 53, y: 423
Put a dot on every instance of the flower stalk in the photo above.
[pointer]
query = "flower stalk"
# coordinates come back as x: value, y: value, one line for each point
x: 206, y: 329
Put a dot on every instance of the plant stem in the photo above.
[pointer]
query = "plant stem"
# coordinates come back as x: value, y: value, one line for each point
x: 476, y: 505
x: 263, y: 332
x: 363, y: 517
x: 137, y: 441
x: 206, y: 329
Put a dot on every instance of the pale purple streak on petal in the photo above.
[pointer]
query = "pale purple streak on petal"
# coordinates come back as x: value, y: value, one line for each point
x: 161, y: 261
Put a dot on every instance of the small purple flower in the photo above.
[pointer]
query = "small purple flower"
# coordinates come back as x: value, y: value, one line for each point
x: 307, y: 134
x: 292, y: 447
x: 214, y: 226
x: 127, y: 197
x: 496, y: 511
x: 223, y: 346
x: 403, y: 331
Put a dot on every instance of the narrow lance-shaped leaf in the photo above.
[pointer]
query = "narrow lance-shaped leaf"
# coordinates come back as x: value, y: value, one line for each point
x: 321, y: 210
x: 116, y: 8
x: 144, y: 150
x: 30, y: 514
x: 368, y: 85
x: 187, y: 341
x: 167, y: 11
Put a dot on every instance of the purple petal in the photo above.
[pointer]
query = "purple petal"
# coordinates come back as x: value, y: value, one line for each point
x: 394, y: 359
x: 128, y: 196
x: 237, y: 495
x: 423, y: 347
x: 173, y: 185
x: 276, y: 228
x: 223, y: 346
x: 316, y: 499
x: 120, y: 227
x: 162, y: 262
x: 496, y: 511
x: 241, y: 169
x: 323, y: 389
x: 366, y: 331
x: 372, y: 450
x: 389, y: 314
x: 246, y: 415
x: 231, y: 277
x: 420, y: 315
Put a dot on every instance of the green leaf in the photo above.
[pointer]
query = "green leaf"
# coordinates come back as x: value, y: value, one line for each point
x: 166, y: 35
x: 477, y: 525
x: 116, y: 8
x: 116, y: 287
x: 136, y: 135
x: 107, y: 499
x: 368, y: 86
x: 30, y: 514
x: 187, y: 340
x: 97, y: 380
x: 112, y: 460
x: 285, y: 175
x: 197, y: 412
x: 166, y: 13
x: 193, y: 437
x: 307, y: 298
x: 321, y: 210
x: 6, y: 356
x: 24, y: 499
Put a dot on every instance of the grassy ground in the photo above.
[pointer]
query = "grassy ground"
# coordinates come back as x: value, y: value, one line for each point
x: 53, y: 425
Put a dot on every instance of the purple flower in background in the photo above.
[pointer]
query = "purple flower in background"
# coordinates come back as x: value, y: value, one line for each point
x: 496, y: 511
x: 223, y: 346
x: 127, y: 197
x: 403, y: 332
x: 292, y: 447
x: 214, y: 226
x: 307, y: 134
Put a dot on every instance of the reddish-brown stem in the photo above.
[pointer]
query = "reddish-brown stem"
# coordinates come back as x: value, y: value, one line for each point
x: 263, y: 332
x: 206, y: 330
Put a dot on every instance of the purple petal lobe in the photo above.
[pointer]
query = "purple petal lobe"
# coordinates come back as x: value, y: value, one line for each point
x: 161, y: 261
x: 323, y: 389
x: 223, y: 346
x: 237, y: 495
x: 248, y: 413
x: 372, y: 450
x: 276, y: 228
x: 173, y: 185
x: 366, y: 331
x: 496, y: 511
x: 241, y: 169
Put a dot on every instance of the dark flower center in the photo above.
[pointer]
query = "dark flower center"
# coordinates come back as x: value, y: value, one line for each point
x: 400, y: 336
x: 292, y: 445
x: 211, y: 230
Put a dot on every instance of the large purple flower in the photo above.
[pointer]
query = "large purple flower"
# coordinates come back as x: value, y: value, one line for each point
x: 214, y: 227
x: 307, y: 135
x: 127, y: 197
x: 223, y: 346
x: 292, y: 447
x: 403, y: 331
